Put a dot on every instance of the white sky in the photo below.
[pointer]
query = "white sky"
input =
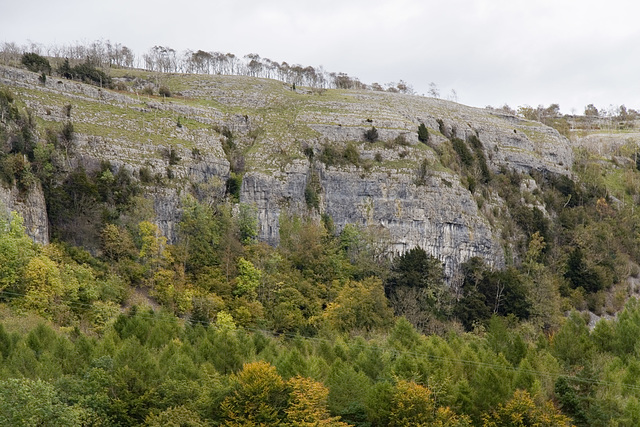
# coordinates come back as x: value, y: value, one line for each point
x: 491, y: 52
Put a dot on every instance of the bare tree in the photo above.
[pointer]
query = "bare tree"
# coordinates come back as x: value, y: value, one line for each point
x: 104, y: 53
x: 254, y: 65
x: 404, y: 87
x: 232, y: 63
x: 453, y: 96
x: 10, y: 52
x: 201, y: 61
x: 434, y: 92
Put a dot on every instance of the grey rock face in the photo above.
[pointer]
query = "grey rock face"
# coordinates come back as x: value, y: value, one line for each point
x: 270, y: 125
x: 442, y: 219
x: 440, y: 216
x: 31, y: 206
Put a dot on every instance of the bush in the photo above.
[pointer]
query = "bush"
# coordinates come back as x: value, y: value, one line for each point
x: 312, y: 191
x: 423, y: 172
x: 463, y: 151
x: 67, y: 132
x: 423, y: 133
x: 164, y: 91
x: 89, y: 74
x: 351, y: 155
x: 401, y: 141
x: 145, y: 175
x: 36, y: 63
x: 85, y: 72
x: 173, y: 156
x: 482, y: 160
x: 371, y: 135
x: 334, y: 156
x: 330, y: 156
x: 234, y: 184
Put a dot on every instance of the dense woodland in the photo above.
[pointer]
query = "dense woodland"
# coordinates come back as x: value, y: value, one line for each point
x: 111, y: 325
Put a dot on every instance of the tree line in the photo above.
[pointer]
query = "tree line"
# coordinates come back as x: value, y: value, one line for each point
x: 105, y: 54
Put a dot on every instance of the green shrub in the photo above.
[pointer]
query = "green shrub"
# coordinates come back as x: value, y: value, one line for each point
x: 423, y: 133
x: 401, y: 141
x: 334, y: 156
x: 330, y: 155
x: 234, y: 184
x: 312, y: 191
x: 86, y: 73
x: 371, y: 135
x: 174, y: 158
x: 164, y: 91
x: 480, y: 157
x: 308, y: 152
x: 8, y: 110
x: 471, y: 184
x: 36, y: 63
x: 67, y: 132
x: 466, y: 158
x: 145, y: 175
x: 423, y: 172
x: 351, y: 155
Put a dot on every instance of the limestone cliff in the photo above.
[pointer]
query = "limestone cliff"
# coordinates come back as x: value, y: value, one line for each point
x: 31, y: 206
x: 275, y: 137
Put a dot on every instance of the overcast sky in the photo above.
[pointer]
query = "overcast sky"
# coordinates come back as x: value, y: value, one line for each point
x: 491, y: 52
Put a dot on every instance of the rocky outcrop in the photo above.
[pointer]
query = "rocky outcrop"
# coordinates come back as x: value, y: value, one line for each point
x: 440, y: 216
x: 270, y: 125
x: 31, y: 206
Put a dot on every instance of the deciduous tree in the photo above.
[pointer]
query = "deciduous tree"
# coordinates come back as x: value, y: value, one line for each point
x: 259, y: 397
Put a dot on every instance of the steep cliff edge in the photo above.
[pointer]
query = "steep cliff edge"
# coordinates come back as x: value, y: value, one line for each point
x: 279, y: 140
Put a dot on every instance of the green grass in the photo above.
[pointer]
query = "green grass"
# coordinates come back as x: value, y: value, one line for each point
x: 116, y: 121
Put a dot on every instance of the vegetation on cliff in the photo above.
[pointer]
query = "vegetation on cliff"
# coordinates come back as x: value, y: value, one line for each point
x: 111, y: 324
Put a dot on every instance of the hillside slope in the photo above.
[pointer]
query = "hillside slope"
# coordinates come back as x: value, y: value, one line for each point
x: 302, y: 152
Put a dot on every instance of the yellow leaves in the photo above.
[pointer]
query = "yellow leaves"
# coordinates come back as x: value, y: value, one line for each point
x: 171, y: 290
x: 413, y: 405
x: 43, y: 283
x: 536, y: 246
x: 117, y: 242
x: 308, y: 404
x: 248, y: 279
x: 154, y: 246
x: 224, y: 321
x: 522, y: 411
x: 16, y: 248
x: 603, y: 208
x: 359, y: 305
x: 259, y: 396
